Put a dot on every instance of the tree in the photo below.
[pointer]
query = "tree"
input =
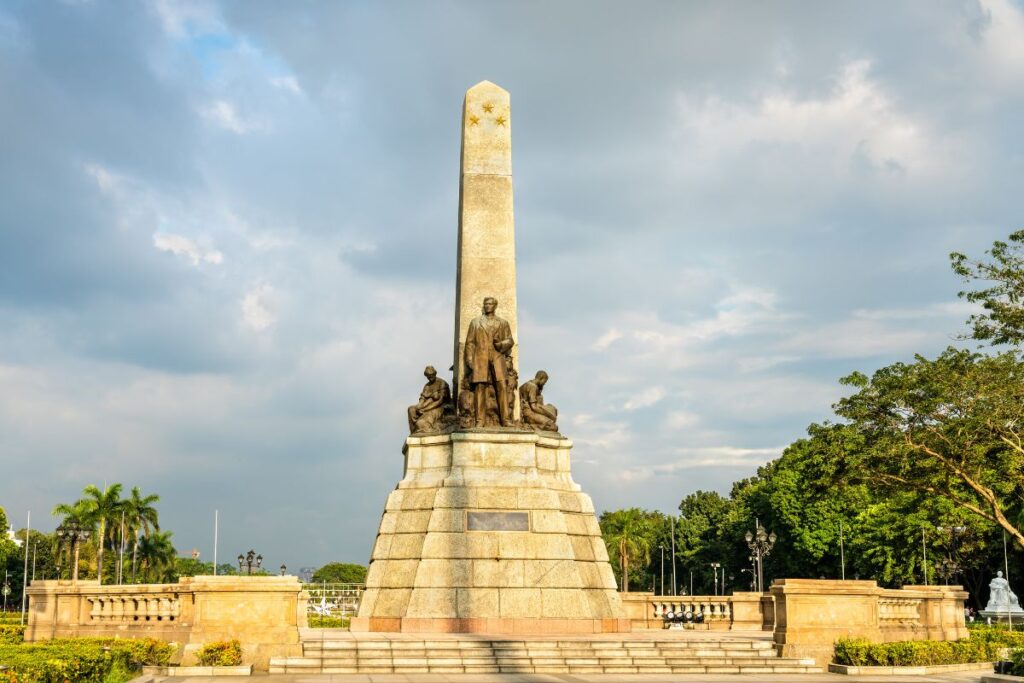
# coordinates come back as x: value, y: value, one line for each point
x: 141, y: 517
x: 1003, y: 300
x: 8, y: 548
x: 627, y: 535
x: 157, y: 557
x: 96, y: 509
x: 340, y: 572
x: 951, y: 427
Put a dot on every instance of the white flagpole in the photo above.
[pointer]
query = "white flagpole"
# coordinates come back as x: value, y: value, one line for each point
x: 24, y: 576
x: 216, y: 515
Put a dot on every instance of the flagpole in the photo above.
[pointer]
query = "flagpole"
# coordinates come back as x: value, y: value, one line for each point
x: 216, y: 520
x: 24, y: 575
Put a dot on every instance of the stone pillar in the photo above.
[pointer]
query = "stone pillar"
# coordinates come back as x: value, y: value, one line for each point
x: 487, y: 251
x: 746, y: 612
x: 811, y: 614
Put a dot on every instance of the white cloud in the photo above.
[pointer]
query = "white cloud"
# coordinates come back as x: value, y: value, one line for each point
x: 607, y: 339
x: 681, y: 419
x: 180, y: 18
x: 222, y: 113
x: 697, y: 458
x: 646, y: 398
x: 256, y: 308
x: 857, y: 123
x: 183, y: 246
x: 289, y: 83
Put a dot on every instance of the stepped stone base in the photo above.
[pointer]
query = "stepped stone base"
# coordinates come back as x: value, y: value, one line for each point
x: 488, y: 533
x: 334, y: 651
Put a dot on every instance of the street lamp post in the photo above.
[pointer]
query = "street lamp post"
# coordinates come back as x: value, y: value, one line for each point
x: 715, y: 567
x: 760, y: 543
x: 949, y: 567
x: 249, y: 562
x: 73, y: 532
x: 662, y: 570
x: 283, y: 569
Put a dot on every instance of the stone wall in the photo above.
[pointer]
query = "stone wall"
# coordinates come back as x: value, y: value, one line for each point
x: 263, y: 612
x: 810, y: 615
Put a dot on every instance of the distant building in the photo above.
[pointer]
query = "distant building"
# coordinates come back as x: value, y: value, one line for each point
x: 10, y: 535
x: 306, y: 574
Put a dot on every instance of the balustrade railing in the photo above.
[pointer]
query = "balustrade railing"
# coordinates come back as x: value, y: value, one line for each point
x: 714, y: 608
x: 129, y: 608
x: 899, y: 611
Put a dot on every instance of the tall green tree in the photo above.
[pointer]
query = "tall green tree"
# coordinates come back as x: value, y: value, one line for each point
x: 96, y: 509
x: 141, y: 517
x: 952, y: 427
x: 627, y: 535
x: 157, y: 557
x: 8, y: 548
x: 340, y: 572
x: 1001, y: 293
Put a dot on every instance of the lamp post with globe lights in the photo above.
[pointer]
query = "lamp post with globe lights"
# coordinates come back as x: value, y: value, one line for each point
x: 760, y: 543
x: 73, y: 532
x: 249, y: 563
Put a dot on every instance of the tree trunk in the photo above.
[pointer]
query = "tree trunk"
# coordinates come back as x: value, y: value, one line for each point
x: 99, y: 552
x: 625, y: 565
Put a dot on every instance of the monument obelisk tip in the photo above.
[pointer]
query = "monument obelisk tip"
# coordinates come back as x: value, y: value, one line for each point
x: 487, y: 250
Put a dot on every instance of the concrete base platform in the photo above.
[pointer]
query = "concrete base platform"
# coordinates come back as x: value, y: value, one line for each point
x: 659, y: 652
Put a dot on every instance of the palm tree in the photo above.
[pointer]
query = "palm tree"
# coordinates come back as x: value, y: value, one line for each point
x: 81, y: 513
x: 157, y: 556
x: 627, y: 536
x: 105, y: 506
x: 140, y: 516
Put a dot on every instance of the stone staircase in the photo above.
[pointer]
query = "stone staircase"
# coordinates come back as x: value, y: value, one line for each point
x: 325, y: 652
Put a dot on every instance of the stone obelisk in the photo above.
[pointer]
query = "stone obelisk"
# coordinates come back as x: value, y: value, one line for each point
x: 487, y: 245
x: 487, y: 532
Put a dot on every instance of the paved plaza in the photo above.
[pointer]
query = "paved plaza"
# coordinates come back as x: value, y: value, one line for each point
x: 961, y: 677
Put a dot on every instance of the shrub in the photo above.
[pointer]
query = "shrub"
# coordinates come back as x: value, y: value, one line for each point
x: 978, y: 648
x: 90, y: 660
x: 1017, y: 662
x: 220, y: 653
x: 11, y: 634
x: 328, y: 622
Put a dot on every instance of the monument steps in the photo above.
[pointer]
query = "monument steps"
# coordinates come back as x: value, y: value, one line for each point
x: 341, y: 653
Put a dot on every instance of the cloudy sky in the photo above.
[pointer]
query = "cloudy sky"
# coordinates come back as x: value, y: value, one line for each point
x: 228, y: 230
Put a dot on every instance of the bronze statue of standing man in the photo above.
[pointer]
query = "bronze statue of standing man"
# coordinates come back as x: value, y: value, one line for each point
x: 488, y: 342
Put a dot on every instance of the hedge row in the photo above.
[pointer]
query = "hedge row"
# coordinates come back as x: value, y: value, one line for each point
x: 220, y: 653
x: 89, y: 660
x: 11, y: 634
x: 983, y: 645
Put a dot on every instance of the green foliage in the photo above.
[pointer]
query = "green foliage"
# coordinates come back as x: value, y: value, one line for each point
x: 11, y: 634
x: 860, y: 652
x: 1017, y: 662
x: 949, y: 428
x: 627, y: 535
x: 99, y: 660
x: 1003, y: 298
x: 220, y: 653
x: 8, y: 548
x: 340, y: 572
x: 329, y: 622
x: 157, y: 557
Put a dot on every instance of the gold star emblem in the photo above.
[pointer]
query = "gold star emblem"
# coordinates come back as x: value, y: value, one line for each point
x: 500, y: 120
x: 473, y: 119
x: 488, y: 107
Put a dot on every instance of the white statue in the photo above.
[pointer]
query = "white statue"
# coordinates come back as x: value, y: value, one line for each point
x: 1000, y: 596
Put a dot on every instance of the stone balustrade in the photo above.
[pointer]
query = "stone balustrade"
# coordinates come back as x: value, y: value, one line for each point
x: 263, y: 612
x: 811, y: 614
x: 134, y: 608
x: 740, y: 611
